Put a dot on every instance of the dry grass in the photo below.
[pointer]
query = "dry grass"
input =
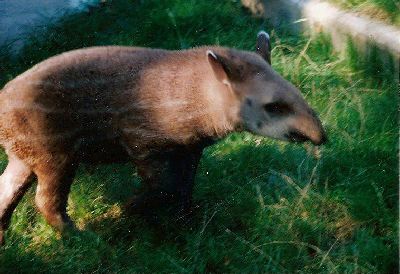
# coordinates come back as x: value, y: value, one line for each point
x: 387, y: 11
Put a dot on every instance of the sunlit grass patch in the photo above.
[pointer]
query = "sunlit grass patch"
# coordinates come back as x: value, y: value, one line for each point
x: 385, y: 10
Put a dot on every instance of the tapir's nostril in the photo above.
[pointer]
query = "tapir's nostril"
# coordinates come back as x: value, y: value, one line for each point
x: 323, y: 140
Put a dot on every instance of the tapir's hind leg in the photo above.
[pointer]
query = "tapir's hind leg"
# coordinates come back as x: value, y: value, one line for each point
x: 14, y: 182
x: 169, y: 179
x: 54, y: 183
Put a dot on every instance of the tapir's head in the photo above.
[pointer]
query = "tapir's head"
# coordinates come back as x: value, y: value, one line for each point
x: 269, y: 105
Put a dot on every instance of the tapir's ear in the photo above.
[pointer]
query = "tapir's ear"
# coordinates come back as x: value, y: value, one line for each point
x: 263, y: 46
x: 225, y: 69
x: 217, y: 66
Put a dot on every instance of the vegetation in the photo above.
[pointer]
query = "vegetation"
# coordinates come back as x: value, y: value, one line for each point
x: 384, y: 10
x: 263, y: 205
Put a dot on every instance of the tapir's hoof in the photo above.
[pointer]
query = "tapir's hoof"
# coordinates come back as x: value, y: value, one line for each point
x: 2, y: 241
x: 68, y: 231
x: 68, y: 227
x: 136, y: 206
x: 186, y: 215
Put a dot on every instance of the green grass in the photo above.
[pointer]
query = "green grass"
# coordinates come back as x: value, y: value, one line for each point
x: 385, y: 10
x: 264, y: 206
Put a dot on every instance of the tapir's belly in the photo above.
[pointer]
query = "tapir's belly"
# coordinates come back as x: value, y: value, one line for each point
x: 109, y: 151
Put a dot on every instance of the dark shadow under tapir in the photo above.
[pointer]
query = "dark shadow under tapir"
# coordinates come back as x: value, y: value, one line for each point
x: 156, y: 108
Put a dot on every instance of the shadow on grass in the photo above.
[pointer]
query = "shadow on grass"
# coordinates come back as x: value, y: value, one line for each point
x: 238, y: 201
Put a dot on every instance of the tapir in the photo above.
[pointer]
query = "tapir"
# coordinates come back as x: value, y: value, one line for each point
x: 155, y: 108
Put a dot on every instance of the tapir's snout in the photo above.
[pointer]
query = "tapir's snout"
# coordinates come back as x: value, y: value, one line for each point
x: 307, y: 128
x: 318, y: 136
x: 322, y: 140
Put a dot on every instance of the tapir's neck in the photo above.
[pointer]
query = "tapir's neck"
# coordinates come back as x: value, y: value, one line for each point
x: 187, y: 100
x: 221, y: 105
x: 223, y: 108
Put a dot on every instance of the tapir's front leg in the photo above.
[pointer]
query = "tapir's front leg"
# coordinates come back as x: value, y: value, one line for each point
x: 168, y: 179
x: 187, y: 163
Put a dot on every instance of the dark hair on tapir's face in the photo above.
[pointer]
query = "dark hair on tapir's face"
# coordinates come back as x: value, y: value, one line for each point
x: 270, y: 105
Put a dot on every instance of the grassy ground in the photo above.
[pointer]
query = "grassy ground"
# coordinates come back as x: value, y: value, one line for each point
x: 264, y: 206
x: 385, y: 10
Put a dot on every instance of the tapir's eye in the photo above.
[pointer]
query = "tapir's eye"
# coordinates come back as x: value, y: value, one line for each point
x: 277, y: 108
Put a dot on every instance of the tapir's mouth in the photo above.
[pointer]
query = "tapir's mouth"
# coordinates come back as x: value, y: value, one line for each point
x: 296, y: 137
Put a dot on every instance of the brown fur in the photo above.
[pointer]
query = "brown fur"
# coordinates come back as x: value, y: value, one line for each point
x: 156, y: 108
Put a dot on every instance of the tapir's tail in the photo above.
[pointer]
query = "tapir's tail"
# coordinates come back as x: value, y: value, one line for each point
x: 2, y: 115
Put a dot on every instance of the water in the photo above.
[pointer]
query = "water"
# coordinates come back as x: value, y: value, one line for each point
x: 17, y: 17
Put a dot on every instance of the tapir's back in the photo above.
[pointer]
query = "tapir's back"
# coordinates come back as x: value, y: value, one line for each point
x: 109, y: 101
x: 72, y: 101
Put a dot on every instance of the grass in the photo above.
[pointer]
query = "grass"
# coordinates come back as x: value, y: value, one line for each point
x: 264, y: 206
x: 384, y: 10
